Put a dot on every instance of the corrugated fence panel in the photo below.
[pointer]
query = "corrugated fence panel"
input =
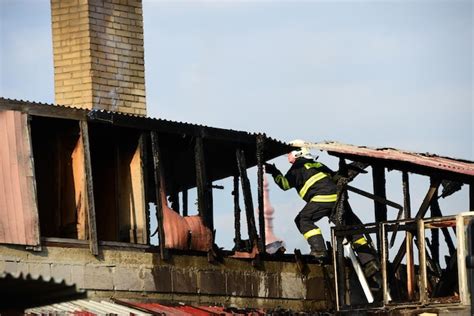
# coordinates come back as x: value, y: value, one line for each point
x: 18, y: 209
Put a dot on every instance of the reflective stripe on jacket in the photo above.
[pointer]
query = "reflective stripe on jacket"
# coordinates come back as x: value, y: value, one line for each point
x: 311, y: 179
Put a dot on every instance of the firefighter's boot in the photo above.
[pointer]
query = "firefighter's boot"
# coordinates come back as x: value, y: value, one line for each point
x: 318, y: 248
x: 368, y: 260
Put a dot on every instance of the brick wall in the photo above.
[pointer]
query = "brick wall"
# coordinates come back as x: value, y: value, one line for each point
x: 98, y: 54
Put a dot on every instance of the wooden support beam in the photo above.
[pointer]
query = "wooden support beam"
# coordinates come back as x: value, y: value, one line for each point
x: 436, y: 212
x: 378, y: 176
x: 204, y: 190
x: 408, y: 239
x: 380, y: 209
x: 435, y: 182
x: 93, y: 242
x: 185, y: 202
x: 471, y: 197
x: 246, y: 190
x: 261, y: 216
x: 421, y: 213
x: 339, y: 221
x: 159, y: 206
x: 374, y: 197
x: 238, y: 238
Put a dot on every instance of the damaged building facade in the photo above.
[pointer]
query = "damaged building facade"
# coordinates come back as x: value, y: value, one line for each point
x: 82, y: 181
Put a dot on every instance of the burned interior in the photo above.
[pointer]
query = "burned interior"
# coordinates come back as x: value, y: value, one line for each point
x: 98, y: 175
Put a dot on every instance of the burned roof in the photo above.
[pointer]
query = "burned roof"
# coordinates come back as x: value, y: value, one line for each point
x: 423, y: 163
x: 176, y: 138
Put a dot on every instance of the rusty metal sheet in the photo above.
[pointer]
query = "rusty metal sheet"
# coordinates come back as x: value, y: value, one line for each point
x: 18, y: 208
x: 422, y: 159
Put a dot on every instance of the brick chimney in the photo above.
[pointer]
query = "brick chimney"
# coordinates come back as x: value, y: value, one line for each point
x: 98, y: 54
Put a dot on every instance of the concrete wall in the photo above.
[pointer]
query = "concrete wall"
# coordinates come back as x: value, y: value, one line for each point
x: 136, y: 274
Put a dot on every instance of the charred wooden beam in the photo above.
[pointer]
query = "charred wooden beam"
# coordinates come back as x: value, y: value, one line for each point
x: 143, y: 145
x: 185, y: 202
x: 378, y: 176
x: 159, y: 206
x: 261, y: 216
x: 93, y: 242
x: 408, y: 239
x: 204, y: 196
x: 235, y: 192
x: 435, y: 182
x: 338, y: 219
x: 436, y: 212
x: 241, y: 163
x: 421, y: 213
x: 471, y: 197
x: 374, y: 197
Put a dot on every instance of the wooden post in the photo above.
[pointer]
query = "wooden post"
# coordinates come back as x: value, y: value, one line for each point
x: 242, y: 165
x: 261, y: 216
x: 436, y: 212
x: 238, y: 238
x: 378, y: 176
x: 159, y: 206
x: 409, y: 239
x: 204, y: 203
x: 93, y: 242
x: 185, y: 202
x: 471, y: 197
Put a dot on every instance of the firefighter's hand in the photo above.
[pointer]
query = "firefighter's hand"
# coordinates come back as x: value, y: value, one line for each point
x: 271, y: 169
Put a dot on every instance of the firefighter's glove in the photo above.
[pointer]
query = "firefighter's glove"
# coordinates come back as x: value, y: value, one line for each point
x: 271, y: 169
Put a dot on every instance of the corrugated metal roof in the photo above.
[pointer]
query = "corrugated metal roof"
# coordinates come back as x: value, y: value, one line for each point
x: 176, y: 139
x: 85, y: 307
x: 119, y: 307
x: 109, y: 116
x: 23, y: 290
x: 184, y: 309
x: 460, y: 166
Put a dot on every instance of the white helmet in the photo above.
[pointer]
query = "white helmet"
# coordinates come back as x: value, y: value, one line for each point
x: 303, y: 151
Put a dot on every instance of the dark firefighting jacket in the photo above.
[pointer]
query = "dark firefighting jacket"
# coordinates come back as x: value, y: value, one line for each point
x: 311, y: 179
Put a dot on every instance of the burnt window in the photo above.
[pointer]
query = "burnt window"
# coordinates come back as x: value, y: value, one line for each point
x: 59, y: 169
x: 118, y: 183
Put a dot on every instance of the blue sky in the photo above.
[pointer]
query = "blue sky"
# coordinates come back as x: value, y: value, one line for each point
x: 376, y: 73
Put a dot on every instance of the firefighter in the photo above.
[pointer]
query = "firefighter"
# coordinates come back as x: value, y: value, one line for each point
x: 314, y: 184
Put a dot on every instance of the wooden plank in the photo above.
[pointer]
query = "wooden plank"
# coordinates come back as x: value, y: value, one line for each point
x: 471, y: 197
x: 237, y: 212
x: 90, y: 205
x: 80, y: 188
x: 261, y: 216
x: 7, y: 211
x: 252, y: 231
x: 14, y: 180
x: 30, y: 194
x: 428, y: 198
x: 17, y: 156
x: 203, y: 187
x: 137, y: 200
x: 378, y: 175
x: 18, y: 209
x: 185, y: 202
x: 159, y: 206
x: 408, y: 238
